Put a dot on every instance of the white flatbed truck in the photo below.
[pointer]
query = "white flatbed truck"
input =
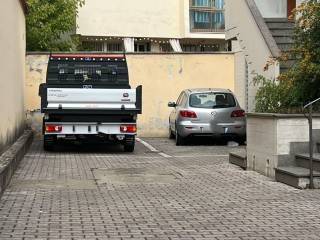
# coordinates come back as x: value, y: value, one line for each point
x: 88, y: 97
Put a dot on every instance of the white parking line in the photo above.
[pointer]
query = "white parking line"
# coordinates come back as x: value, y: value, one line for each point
x: 147, y: 145
x: 210, y: 155
x: 164, y: 155
x: 152, y: 149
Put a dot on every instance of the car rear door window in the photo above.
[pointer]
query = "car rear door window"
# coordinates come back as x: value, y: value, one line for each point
x: 178, y: 103
x: 184, y: 100
x: 212, y: 100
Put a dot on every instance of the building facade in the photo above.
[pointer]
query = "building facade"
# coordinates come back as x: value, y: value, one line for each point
x: 12, y: 68
x: 258, y: 31
x: 152, y: 25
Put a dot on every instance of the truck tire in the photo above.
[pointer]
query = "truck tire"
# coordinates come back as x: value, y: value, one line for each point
x: 129, y: 144
x: 48, y: 143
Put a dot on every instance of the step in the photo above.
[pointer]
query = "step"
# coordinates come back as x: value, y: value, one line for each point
x: 282, y: 32
x: 277, y: 20
x: 284, y: 47
x: 303, y: 160
x: 287, y: 64
x: 280, y: 25
x: 283, y: 39
x: 239, y: 158
x: 297, y: 177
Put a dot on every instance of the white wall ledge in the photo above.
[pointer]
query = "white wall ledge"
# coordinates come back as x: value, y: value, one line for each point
x: 278, y: 115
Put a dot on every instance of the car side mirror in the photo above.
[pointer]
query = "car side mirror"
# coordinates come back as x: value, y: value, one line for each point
x: 172, y: 104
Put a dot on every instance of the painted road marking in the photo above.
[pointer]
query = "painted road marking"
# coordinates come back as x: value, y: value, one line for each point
x: 211, y: 155
x: 153, y: 149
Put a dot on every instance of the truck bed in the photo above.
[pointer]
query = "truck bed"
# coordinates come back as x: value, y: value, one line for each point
x: 90, y: 100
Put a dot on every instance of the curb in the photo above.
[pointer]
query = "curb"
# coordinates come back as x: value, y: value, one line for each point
x: 11, y: 158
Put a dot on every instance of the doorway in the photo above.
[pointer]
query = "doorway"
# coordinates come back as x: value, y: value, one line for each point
x: 291, y: 5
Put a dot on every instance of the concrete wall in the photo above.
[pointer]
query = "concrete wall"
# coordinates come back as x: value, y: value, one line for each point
x: 272, y: 8
x: 12, y: 62
x: 163, y: 77
x: 280, y: 137
x: 241, y: 25
x: 139, y: 18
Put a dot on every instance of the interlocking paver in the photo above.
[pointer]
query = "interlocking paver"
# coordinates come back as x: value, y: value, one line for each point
x: 58, y: 196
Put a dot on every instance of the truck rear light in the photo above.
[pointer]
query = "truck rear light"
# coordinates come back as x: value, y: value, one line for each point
x: 53, y: 128
x: 188, y: 114
x: 128, y: 128
x: 238, y: 113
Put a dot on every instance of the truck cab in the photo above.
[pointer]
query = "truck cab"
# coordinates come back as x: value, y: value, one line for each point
x: 88, y: 97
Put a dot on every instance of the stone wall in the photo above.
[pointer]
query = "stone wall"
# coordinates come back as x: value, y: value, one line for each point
x: 274, y: 139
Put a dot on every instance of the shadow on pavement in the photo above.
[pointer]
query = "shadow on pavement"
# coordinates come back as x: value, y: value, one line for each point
x: 91, y: 147
x: 209, y: 141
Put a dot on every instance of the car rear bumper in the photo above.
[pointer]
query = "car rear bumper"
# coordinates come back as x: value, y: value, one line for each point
x: 188, y: 128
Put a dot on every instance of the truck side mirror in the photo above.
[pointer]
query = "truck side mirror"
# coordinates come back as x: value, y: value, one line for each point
x: 172, y: 104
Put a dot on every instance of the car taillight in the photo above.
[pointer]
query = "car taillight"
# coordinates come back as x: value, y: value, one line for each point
x: 53, y: 128
x: 188, y: 114
x: 128, y: 128
x: 238, y: 113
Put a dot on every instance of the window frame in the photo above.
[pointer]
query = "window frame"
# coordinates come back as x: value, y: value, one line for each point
x: 205, y: 9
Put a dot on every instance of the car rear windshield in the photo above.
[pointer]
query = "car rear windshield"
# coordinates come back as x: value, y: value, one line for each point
x: 212, y: 100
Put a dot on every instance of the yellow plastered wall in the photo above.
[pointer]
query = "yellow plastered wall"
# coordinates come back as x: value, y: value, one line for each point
x: 12, y: 61
x: 163, y: 77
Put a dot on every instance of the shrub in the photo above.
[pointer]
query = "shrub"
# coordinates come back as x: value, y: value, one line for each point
x: 301, y: 83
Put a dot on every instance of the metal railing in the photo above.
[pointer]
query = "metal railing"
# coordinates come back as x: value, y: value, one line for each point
x: 309, y: 106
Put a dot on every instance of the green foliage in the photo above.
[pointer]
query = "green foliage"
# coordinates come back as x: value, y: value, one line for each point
x: 301, y: 83
x: 275, y: 96
x: 50, y: 23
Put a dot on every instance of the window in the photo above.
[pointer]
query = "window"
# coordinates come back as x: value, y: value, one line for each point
x: 212, y: 100
x: 115, y: 47
x: 200, y: 48
x: 218, y: 4
x: 142, y: 47
x: 207, y: 15
x: 92, y: 46
x: 165, y: 47
x: 184, y: 100
x: 178, y: 103
x: 191, y: 48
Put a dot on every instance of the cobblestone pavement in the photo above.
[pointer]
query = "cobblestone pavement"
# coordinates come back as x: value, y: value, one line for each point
x: 188, y: 192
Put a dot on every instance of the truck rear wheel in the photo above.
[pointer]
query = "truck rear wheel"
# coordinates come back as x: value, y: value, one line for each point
x: 48, y: 142
x: 129, y: 144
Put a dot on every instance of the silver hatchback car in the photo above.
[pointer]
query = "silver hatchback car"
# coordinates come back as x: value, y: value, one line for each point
x: 206, y: 112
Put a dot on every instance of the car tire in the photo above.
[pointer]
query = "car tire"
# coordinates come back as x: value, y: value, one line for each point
x: 129, y: 144
x: 180, y: 141
x: 171, y: 135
